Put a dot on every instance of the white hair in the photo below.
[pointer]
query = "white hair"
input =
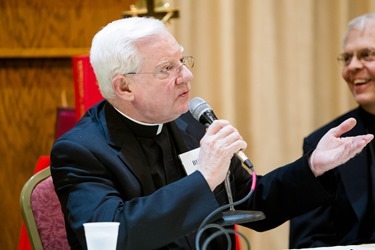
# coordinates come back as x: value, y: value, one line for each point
x: 113, y: 49
x: 358, y: 23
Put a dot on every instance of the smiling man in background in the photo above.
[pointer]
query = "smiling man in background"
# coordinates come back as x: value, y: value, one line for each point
x: 350, y: 219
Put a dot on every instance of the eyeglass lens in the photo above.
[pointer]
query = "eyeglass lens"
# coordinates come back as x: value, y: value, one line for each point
x: 365, y: 55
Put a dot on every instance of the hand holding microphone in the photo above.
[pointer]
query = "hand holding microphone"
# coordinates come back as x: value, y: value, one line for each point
x: 218, y: 146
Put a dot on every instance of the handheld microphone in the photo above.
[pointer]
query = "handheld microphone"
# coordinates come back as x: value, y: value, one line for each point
x: 203, y: 113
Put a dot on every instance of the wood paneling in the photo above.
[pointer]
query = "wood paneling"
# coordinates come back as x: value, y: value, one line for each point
x: 37, y: 40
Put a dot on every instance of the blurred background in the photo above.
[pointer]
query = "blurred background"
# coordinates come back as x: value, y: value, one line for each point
x: 268, y: 66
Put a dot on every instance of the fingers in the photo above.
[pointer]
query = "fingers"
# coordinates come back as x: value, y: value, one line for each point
x: 224, y: 134
x: 353, y: 146
x: 218, y: 146
x: 361, y: 141
x: 216, y: 126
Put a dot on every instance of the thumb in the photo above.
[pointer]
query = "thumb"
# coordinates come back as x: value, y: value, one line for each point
x: 344, y: 127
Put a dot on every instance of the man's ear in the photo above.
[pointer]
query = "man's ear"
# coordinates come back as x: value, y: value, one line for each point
x: 122, y: 87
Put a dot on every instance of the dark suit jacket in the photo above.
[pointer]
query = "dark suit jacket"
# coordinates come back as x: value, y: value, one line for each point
x: 100, y: 174
x: 339, y: 222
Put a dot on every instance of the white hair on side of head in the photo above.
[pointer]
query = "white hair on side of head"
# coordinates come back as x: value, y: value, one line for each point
x: 358, y: 23
x: 113, y: 49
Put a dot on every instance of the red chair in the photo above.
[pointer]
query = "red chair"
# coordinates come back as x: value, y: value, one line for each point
x: 24, y: 242
x: 41, y: 212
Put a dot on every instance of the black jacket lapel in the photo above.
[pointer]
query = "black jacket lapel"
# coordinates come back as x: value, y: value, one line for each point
x: 119, y: 135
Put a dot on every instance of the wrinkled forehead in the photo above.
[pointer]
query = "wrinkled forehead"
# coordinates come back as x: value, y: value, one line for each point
x: 154, y: 41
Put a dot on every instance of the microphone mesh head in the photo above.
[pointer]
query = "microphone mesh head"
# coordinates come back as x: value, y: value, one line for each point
x: 197, y: 106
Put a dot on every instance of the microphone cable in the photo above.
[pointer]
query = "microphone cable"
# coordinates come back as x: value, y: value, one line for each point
x: 222, y: 230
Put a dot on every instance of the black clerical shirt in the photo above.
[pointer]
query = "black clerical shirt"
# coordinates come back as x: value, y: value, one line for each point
x: 158, y: 145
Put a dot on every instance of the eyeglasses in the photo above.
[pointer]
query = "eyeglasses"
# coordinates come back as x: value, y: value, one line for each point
x: 169, y: 69
x: 364, y: 56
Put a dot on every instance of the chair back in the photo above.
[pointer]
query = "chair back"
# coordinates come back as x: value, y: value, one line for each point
x: 41, y: 212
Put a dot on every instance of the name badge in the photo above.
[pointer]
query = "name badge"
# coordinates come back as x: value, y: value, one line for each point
x: 190, y: 160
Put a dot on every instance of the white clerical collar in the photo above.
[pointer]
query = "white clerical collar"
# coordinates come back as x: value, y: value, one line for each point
x: 160, y: 126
